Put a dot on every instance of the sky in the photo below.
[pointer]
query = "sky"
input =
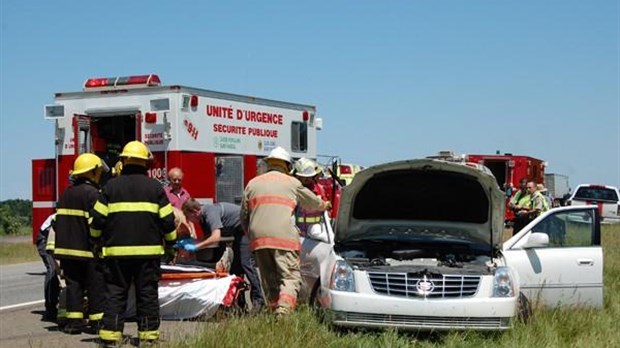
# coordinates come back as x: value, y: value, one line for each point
x: 392, y: 80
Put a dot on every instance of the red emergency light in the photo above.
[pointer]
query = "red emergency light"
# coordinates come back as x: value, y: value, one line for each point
x: 193, y: 102
x: 125, y: 81
x: 150, y: 117
x: 305, y: 117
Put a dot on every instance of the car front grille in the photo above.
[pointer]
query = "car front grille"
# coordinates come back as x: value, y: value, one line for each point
x: 419, y: 322
x: 420, y: 285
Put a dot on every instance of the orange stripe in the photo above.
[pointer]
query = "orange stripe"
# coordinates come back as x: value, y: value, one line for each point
x: 275, y: 243
x: 275, y: 200
x: 288, y: 299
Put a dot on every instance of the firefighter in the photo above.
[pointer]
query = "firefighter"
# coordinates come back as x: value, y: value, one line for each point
x: 133, y: 222
x: 82, y: 272
x: 267, y: 209
x: 309, y: 221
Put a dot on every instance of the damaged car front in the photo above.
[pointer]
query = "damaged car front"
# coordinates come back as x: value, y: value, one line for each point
x: 417, y: 246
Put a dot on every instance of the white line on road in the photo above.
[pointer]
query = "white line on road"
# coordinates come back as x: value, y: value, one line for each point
x: 19, y: 305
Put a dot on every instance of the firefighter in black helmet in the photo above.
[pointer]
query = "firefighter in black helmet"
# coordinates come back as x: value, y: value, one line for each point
x: 134, y: 222
x: 83, y: 274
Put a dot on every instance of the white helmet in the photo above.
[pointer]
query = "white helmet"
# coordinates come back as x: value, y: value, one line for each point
x: 280, y: 154
x: 306, y: 168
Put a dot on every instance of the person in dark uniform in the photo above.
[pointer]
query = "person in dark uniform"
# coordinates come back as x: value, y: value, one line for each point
x: 133, y: 222
x: 51, y: 285
x: 224, y: 220
x: 83, y: 273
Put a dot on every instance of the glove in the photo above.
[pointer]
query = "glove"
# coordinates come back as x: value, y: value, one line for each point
x: 190, y: 247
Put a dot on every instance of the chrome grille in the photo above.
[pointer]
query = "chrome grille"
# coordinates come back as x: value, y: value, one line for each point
x: 420, y: 322
x: 420, y: 285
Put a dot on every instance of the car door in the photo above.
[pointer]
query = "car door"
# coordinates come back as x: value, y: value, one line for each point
x: 559, y: 258
x: 313, y: 252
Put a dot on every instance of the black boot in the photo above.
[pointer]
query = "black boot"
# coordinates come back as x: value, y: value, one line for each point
x: 74, y: 327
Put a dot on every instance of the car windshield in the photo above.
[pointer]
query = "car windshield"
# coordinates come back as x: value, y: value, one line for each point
x: 596, y: 193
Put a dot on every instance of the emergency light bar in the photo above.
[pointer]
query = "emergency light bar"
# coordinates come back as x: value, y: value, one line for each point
x: 125, y: 81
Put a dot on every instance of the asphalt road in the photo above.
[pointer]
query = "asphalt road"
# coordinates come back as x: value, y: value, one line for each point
x: 20, y: 283
x: 21, y: 307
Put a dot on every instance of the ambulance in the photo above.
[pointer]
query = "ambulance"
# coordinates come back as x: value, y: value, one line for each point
x: 216, y: 138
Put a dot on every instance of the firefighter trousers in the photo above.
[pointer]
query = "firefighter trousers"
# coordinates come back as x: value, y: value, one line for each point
x: 280, y: 277
x: 120, y: 274
x: 84, y: 277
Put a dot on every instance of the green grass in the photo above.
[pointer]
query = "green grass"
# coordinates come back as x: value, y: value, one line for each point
x: 11, y: 253
x: 547, y: 328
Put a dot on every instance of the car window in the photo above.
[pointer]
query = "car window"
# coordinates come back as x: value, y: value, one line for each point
x: 596, y: 193
x: 569, y: 229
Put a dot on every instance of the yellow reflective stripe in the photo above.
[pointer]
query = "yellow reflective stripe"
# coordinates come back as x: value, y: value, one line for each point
x: 72, y: 212
x: 75, y: 315
x: 110, y: 335
x: 165, y: 211
x: 50, y: 245
x: 73, y: 252
x: 90, y: 220
x: 148, y: 335
x: 137, y: 250
x: 95, y: 233
x: 309, y: 219
x: 101, y: 208
x: 147, y: 207
x: 62, y: 314
x: 171, y: 236
x: 96, y: 316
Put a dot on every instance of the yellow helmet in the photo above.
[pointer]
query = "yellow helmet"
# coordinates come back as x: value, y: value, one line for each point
x: 136, y: 149
x: 87, y: 162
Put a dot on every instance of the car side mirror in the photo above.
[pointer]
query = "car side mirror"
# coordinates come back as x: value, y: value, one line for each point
x: 536, y: 240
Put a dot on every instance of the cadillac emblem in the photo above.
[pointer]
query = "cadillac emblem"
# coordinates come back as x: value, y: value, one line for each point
x: 424, y: 286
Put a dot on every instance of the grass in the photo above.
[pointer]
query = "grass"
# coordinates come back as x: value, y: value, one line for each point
x: 11, y: 253
x: 548, y: 328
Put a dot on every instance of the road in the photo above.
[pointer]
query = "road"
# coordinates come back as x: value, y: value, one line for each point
x: 21, y: 283
x: 20, y: 325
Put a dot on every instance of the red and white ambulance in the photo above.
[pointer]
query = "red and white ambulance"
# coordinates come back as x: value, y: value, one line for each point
x: 216, y: 138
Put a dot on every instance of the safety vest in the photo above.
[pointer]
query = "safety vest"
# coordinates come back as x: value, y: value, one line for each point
x: 305, y: 218
x: 72, y: 220
x: 133, y: 216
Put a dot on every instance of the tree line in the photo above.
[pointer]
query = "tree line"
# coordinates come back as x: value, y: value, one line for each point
x: 15, y: 216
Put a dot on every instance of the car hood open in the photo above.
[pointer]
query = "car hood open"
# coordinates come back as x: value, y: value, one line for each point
x: 423, y: 200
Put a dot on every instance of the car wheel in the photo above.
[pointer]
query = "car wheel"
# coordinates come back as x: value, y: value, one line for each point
x: 524, y: 308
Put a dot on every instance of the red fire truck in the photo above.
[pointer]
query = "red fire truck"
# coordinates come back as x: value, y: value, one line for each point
x: 509, y: 169
x: 216, y: 138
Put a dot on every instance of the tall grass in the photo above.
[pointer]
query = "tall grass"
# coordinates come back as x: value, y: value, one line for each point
x: 548, y: 328
x: 11, y: 253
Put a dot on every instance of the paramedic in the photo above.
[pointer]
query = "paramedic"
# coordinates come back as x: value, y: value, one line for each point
x: 309, y: 221
x: 51, y: 286
x: 267, y: 209
x: 132, y: 221
x: 83, y: 273
x: 222, y: 220
x: 519, y: 204
x: 175, y: 192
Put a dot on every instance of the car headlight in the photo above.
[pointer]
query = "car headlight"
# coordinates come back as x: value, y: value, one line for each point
x: 342, y: 277
x: 503, y: 283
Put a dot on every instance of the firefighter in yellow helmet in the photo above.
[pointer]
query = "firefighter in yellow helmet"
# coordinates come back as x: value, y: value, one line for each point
x: 133, y: 220
x: 83, y: 274
x: 267, y: 208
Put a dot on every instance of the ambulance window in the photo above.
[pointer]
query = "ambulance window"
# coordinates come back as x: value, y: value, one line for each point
x: 299, y: 137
